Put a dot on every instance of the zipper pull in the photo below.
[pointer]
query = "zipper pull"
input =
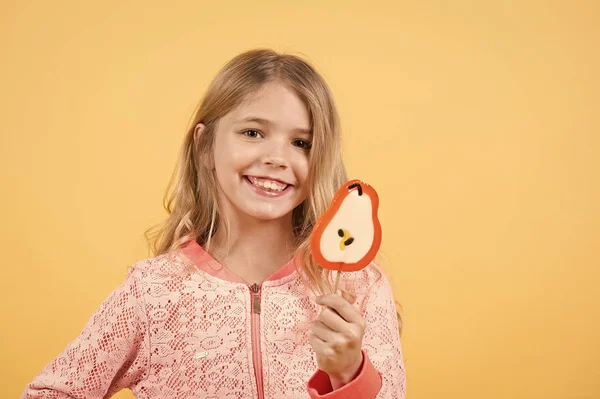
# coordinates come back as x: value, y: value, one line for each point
x: 255, y: 288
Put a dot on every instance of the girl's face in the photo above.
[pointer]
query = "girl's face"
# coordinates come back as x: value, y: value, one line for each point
x: 261, y: 154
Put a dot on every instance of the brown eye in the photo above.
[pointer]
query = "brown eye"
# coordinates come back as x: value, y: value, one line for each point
x: 251, y: 133
x: 303, y: 144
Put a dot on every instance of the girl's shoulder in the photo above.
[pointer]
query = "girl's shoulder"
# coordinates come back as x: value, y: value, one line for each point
x: 160, y: 267
x: 168, y: 279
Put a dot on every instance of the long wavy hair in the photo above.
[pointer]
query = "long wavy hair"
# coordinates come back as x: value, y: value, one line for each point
x: 191, y: 197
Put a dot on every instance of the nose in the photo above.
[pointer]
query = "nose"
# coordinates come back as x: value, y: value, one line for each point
x: 274, y: 155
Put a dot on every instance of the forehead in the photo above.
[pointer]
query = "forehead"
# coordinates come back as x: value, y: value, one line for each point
x: 276, y: 103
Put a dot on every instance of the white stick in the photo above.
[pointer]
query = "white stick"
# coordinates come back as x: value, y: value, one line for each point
x: 337, y: 279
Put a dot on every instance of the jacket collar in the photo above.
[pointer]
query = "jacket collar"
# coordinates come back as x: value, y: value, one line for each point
x: 205, y: 262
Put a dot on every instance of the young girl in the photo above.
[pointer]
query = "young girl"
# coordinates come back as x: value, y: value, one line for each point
x: 233, y: 305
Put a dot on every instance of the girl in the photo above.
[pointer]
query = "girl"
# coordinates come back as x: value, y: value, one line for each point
x: 233, y: 305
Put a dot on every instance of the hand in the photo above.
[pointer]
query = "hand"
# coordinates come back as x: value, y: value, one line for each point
x: 336, y: 336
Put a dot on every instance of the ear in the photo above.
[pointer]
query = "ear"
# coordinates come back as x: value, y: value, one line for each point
x: 198, y: 131
x: 205, y: 159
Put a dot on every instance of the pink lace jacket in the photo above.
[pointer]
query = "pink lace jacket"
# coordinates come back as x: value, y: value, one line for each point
x: 183, y: 326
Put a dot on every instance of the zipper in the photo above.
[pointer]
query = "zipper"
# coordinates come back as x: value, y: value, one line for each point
x: 255, y: 291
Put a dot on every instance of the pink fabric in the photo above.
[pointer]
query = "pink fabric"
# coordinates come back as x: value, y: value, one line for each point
x: 180, y: 327
x: 366, y: 384
x: 202, y: 260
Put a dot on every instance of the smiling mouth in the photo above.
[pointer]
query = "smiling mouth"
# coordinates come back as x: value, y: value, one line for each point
x: 268, y: 184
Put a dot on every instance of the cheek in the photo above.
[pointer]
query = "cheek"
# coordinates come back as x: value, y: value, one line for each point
x: 305, y: 167
x: 229, y: 155
x: 301, y: 169
x: 225, y: 165
x: 219, y: 151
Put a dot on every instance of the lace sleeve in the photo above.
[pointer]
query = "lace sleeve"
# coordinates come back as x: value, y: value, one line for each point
x: 382, y: 339
x: 111, y: 353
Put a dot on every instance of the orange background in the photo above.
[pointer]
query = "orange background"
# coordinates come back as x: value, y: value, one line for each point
x: 476, y: 121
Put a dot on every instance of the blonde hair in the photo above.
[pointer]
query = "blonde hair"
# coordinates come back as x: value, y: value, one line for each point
x: 191, y: 197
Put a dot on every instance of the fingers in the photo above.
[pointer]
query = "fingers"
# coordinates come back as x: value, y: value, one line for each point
x: 341, y: 325
x: 348, y: 312
x: 322, y: 331
x: 326, y: 342
x: 318, y: 345
x: 333, y: 320
x: 336, y: 337
x: 333, y: 340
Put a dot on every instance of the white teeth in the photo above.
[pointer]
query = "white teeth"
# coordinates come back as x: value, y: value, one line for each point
x: 268, y: 184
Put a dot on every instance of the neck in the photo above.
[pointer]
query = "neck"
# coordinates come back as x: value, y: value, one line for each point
x: 254, y: 249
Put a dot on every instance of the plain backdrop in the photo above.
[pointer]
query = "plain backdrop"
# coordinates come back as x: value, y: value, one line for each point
x: 476, y: 121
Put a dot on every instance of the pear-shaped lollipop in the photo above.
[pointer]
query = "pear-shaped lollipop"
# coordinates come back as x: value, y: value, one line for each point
x: 348, y: 235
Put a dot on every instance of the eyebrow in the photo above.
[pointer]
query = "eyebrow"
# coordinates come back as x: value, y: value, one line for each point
x: 269, y: 123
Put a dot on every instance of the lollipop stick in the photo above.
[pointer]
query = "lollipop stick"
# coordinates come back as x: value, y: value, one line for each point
x: 337, y: 279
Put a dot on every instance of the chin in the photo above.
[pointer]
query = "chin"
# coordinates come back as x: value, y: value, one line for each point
x: 268, y: 214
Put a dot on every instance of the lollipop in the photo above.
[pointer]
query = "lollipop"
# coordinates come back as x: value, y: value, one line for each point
x: 348, y: 235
